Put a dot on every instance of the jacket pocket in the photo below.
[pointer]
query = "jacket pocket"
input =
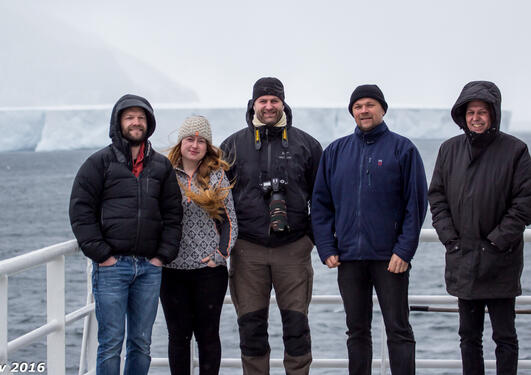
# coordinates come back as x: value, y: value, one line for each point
x: 383, y: 236
x: 492, y: 261
x: 454, y: 262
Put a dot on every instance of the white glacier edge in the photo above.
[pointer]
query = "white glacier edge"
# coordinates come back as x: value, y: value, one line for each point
x: 69, y: 129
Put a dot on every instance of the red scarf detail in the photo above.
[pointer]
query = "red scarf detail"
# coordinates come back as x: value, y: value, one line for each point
x: 138, y: 164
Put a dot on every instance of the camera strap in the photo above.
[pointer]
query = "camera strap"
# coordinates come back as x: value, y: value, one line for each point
x: 258, y: 140
x: 277, y: 203
x: 285, y: 137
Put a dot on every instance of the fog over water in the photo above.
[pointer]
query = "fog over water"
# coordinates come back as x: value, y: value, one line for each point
x: 420, y: 53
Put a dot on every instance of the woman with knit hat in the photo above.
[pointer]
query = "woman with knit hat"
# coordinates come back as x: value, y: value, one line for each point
x: 194, y: 284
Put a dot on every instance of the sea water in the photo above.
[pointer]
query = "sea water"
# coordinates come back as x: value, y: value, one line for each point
x: 34, y: 194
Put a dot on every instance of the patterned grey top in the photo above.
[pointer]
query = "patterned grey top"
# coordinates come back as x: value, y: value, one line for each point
x: 200, y: 237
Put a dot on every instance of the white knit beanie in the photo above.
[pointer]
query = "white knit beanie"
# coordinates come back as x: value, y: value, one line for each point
x: 195, y: 125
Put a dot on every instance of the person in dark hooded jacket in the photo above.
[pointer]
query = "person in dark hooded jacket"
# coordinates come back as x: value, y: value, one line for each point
x: 480, y: 197
x: 125, y: 211
x: 274, y: 167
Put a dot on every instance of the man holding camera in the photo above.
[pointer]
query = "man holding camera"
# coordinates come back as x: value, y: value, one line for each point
x: 274, y: 168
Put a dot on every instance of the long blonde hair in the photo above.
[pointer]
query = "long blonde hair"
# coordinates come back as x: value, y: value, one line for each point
x: 209, y: 198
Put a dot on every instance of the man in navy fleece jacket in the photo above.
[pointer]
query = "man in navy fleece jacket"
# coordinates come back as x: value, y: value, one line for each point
x: 369, y: 202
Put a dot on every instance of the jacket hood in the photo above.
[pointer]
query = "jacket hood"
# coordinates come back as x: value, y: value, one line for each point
x: 250, y: 114
x: 128, y: 101
x: 478, y: 90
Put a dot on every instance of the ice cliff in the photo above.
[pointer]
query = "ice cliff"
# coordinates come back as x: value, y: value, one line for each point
x: 47, y: 130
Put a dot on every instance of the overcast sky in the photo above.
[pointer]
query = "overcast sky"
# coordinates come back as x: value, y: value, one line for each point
x: 420, y: 53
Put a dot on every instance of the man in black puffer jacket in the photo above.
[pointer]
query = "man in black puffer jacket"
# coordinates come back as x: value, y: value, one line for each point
x: 125, y: 211
x: 274, y: 167
x: 480, y: 197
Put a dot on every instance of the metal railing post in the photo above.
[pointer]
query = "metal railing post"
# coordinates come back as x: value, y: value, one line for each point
x: 89, y: 341
x: 383, y: 354
x: 55, y: 294
x: 3, y: 320
x: 192, y: 355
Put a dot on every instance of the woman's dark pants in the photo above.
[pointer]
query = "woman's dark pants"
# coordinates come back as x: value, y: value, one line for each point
x: 192, y: 302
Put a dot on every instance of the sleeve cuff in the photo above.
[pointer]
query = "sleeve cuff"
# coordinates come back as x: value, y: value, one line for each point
x: 405, y: 255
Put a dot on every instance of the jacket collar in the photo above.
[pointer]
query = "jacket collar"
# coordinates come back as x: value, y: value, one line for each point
x: 271, y: 129
x: 180, y: 169
x: 372, y: 135
x: 126, y: 158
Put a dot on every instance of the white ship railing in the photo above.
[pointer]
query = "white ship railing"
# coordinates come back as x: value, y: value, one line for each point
x: 54, y: 329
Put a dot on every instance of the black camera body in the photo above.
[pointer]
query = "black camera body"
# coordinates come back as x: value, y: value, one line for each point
x: 273, y: 186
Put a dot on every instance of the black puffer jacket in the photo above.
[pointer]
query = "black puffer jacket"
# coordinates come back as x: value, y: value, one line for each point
x: 480, y: 195
x: 112, y: 212
x: 295, y: 159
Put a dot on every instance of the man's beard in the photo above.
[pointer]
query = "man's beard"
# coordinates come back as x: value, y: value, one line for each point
x: 135, y: 141
x: 277, y: 118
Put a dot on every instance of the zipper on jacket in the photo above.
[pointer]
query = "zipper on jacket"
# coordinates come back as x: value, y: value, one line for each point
x: 189, y: 185
x: 362, y: 158
x: 269, y: 176
x: 268, y: 155
x: 139, y: 212
x: 368, y: 171
x: 462, y: 202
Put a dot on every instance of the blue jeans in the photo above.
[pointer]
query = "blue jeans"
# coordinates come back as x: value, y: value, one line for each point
x: 356, y: 280
x: 129, y: 288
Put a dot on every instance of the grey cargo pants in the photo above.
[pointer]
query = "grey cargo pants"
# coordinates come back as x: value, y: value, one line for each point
x: 254, y: 269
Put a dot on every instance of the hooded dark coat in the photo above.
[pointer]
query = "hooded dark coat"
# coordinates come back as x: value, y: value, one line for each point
x: 296, y: 161
x: 480, y: 197
x: 113, y: 212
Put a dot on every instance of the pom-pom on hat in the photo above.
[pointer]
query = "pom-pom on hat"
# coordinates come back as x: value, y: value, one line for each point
x: 195, y: 125
x: 367, y: 91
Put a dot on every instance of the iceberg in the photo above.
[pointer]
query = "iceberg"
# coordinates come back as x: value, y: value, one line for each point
x: 20, y: 131
x: 86, y: 128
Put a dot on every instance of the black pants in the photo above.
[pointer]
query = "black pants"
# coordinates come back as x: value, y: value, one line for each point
x: 356, y: 280
x: 471, y: 319
x: 192, y: 302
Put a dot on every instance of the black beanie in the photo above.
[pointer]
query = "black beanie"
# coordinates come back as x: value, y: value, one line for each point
x: 268, y: 86
x: 367, y: 91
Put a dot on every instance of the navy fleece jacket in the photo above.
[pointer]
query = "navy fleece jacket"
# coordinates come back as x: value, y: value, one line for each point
x: 370, y: 197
